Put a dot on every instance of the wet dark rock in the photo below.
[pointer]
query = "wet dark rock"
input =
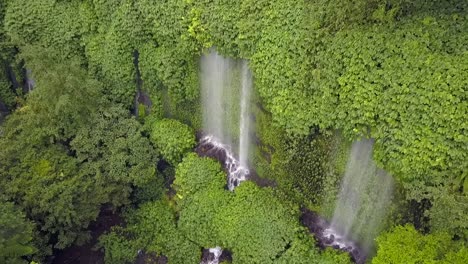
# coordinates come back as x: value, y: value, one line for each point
x: 207, y: 256
x: 317, y: 225
x: 86, y: 253
x: 225, y: 256
x: 208, y: 149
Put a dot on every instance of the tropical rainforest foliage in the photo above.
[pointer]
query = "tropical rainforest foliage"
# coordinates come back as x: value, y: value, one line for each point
x: 74, y: 73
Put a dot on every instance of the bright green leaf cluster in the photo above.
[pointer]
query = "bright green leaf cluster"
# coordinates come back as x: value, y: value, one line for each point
x: 404, y: 244
x: 173, y: 139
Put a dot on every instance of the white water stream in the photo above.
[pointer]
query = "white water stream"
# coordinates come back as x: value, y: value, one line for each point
x: 364, y: 197
x: 226, y: 88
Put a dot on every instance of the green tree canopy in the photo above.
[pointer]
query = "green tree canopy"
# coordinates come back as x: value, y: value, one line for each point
x: 66, y: 152
x: 195, y: 173
x: 151, y: 228
x: 404, y: 244
x: 16, y: 234
x: 172, y: 138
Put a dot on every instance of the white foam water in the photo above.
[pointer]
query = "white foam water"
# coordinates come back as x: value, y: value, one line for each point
x: 235, y: 171
x: 244, y: 138
x: 216, y: 252
x: 221, y: 80
x: 365, y: 195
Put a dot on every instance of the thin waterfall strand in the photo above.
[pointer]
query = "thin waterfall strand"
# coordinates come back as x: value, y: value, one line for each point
x: 219, y: 88
x: 244, y: 143
x: 216, y: 254
x: 214, y: 78
x: 363, y: 201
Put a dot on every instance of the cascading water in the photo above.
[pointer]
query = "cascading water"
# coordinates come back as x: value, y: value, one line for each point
x: 210, y: 146
x: 245, y: 116
x: 215, y: 77
x: 361, y: 206
x: 221, y: 88
x: 223, y: 81
x: 214, y: 254
x: 29, y: 81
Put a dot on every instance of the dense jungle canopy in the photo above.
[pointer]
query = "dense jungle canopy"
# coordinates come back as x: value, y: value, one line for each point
x: 100, y: 110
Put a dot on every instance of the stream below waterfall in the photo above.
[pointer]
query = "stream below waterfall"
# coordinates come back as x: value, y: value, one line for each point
x: 226, y: 86
x: 326, y: 237
x: 209, y: 146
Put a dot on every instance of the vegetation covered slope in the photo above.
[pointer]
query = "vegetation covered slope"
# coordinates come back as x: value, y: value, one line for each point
x: 394, y: 70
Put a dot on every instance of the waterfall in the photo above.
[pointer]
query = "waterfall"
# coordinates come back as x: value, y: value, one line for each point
x: 215, y: 80
x: 245, y: 115
x: 226, y: 88
x: 29, y: 81
x: 364, y: 197
x: 213, y: 256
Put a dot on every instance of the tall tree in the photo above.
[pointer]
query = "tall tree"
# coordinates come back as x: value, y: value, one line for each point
x: 67, y: 151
